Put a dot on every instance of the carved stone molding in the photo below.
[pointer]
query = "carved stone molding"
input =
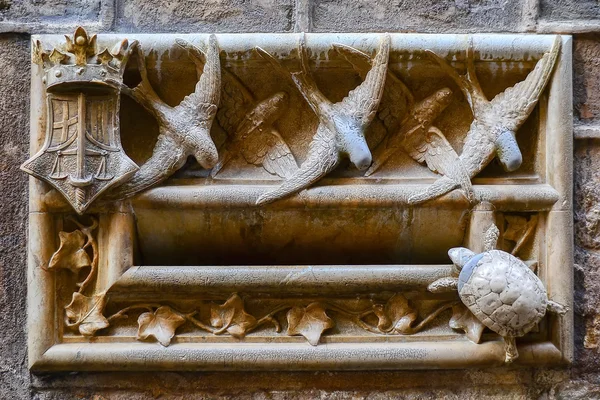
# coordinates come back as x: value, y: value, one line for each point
x: 297, y: 201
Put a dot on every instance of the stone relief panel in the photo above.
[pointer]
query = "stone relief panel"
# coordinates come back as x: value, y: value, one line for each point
x: 292, y: 201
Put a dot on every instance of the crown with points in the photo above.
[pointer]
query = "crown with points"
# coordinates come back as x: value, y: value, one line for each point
x: 81, y: 63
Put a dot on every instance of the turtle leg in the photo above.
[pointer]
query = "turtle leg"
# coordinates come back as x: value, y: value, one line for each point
x: 442, y: 285
x: 556, y: 308
x: 510, y: 346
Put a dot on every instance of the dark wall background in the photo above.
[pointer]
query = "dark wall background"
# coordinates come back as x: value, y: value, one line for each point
x: 19, y: 18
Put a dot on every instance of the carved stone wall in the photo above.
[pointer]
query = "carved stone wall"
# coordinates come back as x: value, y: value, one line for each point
x: 579, y: 17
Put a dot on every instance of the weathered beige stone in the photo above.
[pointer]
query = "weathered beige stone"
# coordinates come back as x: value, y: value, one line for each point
x: 205, y: 16
x: 333, y: 272
x: 580, y: 381
x: 428, y: 15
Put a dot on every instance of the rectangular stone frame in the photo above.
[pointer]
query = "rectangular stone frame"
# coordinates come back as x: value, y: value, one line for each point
x: 117, y: 237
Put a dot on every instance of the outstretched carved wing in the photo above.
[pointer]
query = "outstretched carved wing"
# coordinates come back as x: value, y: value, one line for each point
x: 468, y: 84
x: 413, y: 130
x: 269, y: 150
x: 513, y: 106
x: 306, y: 84
x: 363, y: 101
x: 322, y: 158
x: 434, y: 149
x: 236, y: 99
x: 438, y: 188
x: 396, y: 100
x: 208, y: 88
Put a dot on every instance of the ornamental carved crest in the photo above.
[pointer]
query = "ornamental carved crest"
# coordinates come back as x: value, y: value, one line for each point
x: 82, y: 154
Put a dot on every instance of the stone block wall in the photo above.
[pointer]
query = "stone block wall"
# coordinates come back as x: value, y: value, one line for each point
x: 19, y: 18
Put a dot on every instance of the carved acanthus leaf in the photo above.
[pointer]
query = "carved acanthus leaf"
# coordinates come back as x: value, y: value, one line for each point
x: 309, y: 322
x: 85, y: 313
x: 231, y: 317
x: 464, y: 320
x: 71, y: 253
x: 160, y: 324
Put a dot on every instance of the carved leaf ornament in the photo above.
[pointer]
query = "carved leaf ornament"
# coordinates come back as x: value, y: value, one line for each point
x: 464, y: 320
x: 396, y: 315
x: 160, y: 324
x: 71, y: 253
x: 86, y: 313
x: 232, y: 318
x: 310, y: 321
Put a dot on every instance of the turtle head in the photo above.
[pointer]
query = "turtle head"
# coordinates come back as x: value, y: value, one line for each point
x: 460, y: 256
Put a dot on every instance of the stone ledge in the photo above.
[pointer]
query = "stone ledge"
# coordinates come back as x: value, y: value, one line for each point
x: 291, y: 279
x: 287, y: 356
x: 568, y: 26
x: 587, y: 131
x: 529, y: 197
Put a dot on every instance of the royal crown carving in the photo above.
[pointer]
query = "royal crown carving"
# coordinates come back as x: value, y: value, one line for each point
x: 302, y: 201
x: 80, y: 61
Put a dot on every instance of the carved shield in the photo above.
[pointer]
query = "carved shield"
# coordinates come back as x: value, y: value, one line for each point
x: 82, y: 154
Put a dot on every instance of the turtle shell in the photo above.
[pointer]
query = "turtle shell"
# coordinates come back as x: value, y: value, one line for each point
x: 503, y: 293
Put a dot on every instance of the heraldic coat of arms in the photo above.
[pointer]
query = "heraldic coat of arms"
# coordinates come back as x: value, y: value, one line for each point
x: 82, y: 155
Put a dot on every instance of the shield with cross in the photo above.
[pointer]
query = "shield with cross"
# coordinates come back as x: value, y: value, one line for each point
x: 82, y: 154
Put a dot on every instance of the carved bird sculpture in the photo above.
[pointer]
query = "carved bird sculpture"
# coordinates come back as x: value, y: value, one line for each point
x: 411, y: 128
x: 495, y: 122
x: 257, y: 140
x: 342, y: 125
x: 249, y: 125
x: 184, y: 130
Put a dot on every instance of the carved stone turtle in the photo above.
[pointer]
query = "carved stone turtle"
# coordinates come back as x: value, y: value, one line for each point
x: 501, y: 291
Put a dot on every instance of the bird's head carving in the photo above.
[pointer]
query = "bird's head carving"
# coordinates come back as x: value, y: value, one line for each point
x: 444, y: 96
x: 432, y: 106
x: 351, y: 139
x: 507, y: 150
x: 202, y: 148
x: 198, y: 141
x: 271, y: 109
